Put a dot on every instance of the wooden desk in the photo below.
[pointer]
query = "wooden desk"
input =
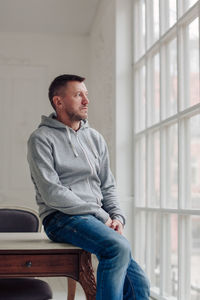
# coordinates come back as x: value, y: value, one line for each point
x: 33, y: 254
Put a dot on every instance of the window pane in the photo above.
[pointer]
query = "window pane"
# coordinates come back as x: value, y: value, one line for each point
x: 195, y: 161
x: 156, y: 18
x: 174, y: 255
x: 140, y: 99
x: 191, y: 64
x: 195, y: 258
x: 172, y: 167
x: 140, y: 30
x: 194, y: 61
x: 155, y: 251
x: 168, y: 19
x: 157, y: 88
x: 191, y: 2
x: 140, y: 233
x: 170, y: 251
x: 185, y: 5
x: 172, y: 12
x: 153, y: 21
x: 188, y: 4
x: 140, y: 175
x: 171, y: 79
x: 153, y: 92
x: 153, y: 184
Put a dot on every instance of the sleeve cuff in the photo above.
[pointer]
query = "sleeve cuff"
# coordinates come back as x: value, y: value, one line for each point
x: 102, y: 215
x: 120, y: 218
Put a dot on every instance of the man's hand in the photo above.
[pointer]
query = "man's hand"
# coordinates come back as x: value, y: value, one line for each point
x: 115, y: 224
x: 109, y: 222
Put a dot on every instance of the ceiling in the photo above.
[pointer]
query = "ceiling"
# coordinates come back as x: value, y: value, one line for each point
x: 47, y: 16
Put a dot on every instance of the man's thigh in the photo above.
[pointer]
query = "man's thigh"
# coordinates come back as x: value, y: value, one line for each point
x: 84, y: 231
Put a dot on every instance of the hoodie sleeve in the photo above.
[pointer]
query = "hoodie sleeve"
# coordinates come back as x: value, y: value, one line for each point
x: 53, y: 193
x: 108, y: 186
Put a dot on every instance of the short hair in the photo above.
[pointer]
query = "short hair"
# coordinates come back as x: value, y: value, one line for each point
x: 59, y: 83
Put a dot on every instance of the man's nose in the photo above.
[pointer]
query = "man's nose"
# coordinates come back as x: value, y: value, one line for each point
x: 85, y: 99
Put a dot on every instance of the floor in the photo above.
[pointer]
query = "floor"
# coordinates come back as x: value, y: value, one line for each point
x: 59, y: 287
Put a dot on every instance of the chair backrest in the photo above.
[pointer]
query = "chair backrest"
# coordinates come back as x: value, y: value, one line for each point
x: 18, y: 220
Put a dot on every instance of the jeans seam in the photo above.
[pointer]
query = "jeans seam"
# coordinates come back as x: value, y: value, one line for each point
x: 132, y: 287
x: 102, y: 284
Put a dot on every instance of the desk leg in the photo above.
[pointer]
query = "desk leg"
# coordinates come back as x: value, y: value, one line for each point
x: 71, y: 288
x: 87, y: 279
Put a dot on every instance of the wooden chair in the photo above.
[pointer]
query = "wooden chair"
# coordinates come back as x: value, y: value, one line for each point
x: 17, y: 219
x: 22, y: 220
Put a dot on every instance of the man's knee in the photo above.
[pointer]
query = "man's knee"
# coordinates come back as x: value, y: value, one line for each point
x: 120, y: 249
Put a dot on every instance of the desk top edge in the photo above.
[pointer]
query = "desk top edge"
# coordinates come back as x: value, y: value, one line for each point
x: 30, y: 241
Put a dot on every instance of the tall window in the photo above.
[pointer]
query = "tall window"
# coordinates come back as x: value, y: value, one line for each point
x: 167, y: 146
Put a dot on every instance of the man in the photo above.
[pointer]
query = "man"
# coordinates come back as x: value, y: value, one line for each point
x: 76, y: 192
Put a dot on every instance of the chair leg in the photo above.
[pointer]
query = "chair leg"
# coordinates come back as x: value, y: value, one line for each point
x: 71, y: 288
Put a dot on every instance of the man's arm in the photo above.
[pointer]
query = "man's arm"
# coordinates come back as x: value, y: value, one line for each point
x: 52, y: 192
x: 108, y: 187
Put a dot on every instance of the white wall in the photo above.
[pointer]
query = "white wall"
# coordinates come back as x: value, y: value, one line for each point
x: 102, y: 75
x: 111, y: 92
x: 33, y: 61
x: 58, y: 53
x: 124, y: 110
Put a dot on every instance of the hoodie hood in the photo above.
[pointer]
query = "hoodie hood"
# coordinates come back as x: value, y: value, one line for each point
x: 51, y: 121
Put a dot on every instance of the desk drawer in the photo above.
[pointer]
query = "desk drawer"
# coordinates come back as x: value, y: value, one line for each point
x: 39, y: 264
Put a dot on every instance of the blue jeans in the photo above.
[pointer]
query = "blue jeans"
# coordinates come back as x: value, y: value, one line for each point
x: 118, y: 275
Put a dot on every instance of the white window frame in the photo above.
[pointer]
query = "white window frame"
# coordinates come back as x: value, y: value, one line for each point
x: 181, y: 119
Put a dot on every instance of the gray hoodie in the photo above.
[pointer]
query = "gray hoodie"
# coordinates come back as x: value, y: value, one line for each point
x: 70, y: 171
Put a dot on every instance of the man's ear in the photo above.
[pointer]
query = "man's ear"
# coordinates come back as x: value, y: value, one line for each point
x: 57, y: 102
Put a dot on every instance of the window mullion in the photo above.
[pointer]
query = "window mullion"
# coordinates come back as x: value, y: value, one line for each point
x: 165, y: 254
x: 167, y: 162
x: 179, y: 8
x: 186, y: 70
x: 149, y: 169
x: 150, y: 90
x: 181, y: 77
x: 149, y: 244
x: 187, y: 162
x: 184, y: 255
x: 181, y: 168
x: 162, y: 83
x: 136, y: 36
x: 140, y: 25
x: 138, y: 243
x: 199, y: 35
x: 188, y: 245
x: 162, y: 168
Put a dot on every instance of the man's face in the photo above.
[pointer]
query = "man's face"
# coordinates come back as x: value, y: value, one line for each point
x: 75, y: 101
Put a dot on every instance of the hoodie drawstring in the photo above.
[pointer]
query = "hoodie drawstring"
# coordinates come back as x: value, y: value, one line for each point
x: 73, y: 147
x: 70, y: 142
x: 92, y: 146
